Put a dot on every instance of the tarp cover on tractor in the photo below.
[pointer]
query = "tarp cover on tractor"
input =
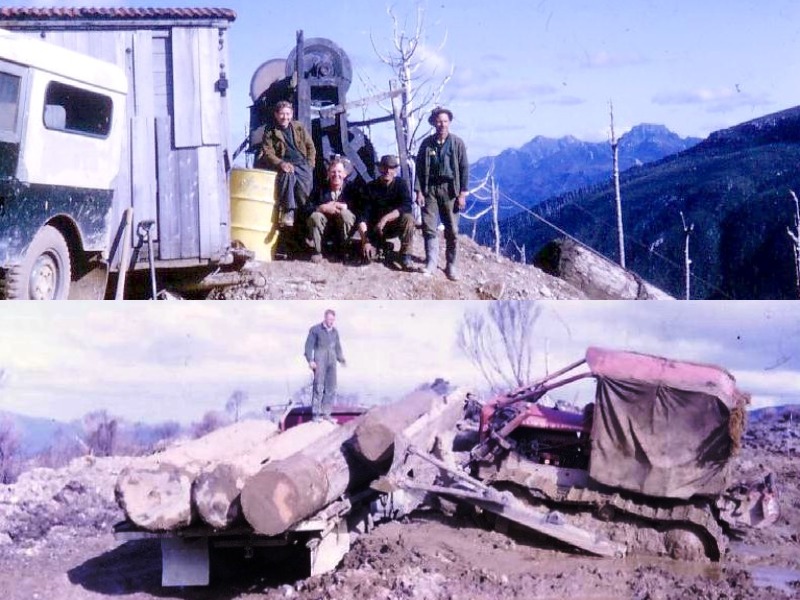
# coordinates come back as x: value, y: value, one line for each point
x: 661, y: 427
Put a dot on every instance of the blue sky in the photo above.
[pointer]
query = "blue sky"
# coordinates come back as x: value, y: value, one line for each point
x: 547, y: 67
x: 161, y: 360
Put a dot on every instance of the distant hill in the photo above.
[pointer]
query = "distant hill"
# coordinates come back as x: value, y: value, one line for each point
x: 38, y: 434
x: 734, y: 187
x: 35, y: 433
x: 547, y: 167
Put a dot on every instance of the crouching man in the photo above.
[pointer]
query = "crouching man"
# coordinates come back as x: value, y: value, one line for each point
x: 387, y: 212
x: 332, y: 218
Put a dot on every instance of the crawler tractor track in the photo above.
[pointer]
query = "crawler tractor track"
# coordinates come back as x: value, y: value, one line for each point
x: 699, y: 520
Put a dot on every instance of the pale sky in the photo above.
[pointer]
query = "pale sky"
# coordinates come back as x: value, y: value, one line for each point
x: 544, y: 67
x: 157, y: 361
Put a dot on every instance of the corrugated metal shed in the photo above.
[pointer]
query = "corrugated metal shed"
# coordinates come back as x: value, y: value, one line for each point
x: 174, y: 164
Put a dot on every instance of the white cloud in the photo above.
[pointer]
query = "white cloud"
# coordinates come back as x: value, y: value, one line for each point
x: 604, y: 60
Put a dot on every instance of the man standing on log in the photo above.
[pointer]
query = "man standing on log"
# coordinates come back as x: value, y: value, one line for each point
x: 323, y: 350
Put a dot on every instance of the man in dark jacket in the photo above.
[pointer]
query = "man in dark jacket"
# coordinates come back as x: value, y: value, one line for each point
x: 441, y: 187
x: 323, y: 350
x: 289, y: 149
x: 387, y: 212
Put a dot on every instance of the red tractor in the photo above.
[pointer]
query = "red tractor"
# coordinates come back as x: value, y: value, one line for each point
x: 653, y: 450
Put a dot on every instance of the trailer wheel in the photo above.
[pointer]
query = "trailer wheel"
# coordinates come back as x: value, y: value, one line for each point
x: 45, y: 272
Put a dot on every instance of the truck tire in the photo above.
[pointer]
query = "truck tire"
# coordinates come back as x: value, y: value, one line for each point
x: 45, y: 272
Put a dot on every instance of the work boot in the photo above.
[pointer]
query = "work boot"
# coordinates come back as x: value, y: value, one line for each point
x: 431, y: 256
x: 450, y: 271
x: 288, y: 218
x: 406, y: 262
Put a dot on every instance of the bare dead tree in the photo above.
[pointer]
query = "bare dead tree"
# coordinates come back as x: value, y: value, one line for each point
x: 498, y: 339
x: 234, y: 404
x: 521, y: 251
x: 495, y: 220
x: 9, y: 451
x: 408, y: 62
x: 687, y: 231
x: 617, y: 194
x: 101, y: 433
x: 485, y: 191
x: 795, y: 236
x: 211, y: 421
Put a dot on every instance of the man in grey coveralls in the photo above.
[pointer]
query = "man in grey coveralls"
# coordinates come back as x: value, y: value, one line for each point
x: 323, y: 351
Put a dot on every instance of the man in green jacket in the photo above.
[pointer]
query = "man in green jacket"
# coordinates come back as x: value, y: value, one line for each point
x: 441, y: 187
x: 323, y: 351
x: 289, y: 149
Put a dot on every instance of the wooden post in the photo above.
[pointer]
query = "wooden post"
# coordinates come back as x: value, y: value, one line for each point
x: 400, y: 134
x: 617, y: 194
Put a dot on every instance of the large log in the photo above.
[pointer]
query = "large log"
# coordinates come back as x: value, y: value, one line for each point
x: 288, y: 491
x: 216, y: 491
x: 593, y: 274
x: 374, y: 437
x: 155, y: 491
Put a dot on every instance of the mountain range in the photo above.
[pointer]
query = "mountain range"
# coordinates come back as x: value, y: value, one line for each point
x: 547, y: 167
x: 732, y: 189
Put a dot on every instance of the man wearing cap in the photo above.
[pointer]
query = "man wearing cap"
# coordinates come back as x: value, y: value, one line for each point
x: 387, y: 212
x: 289, y: 149
x: 441, y: 188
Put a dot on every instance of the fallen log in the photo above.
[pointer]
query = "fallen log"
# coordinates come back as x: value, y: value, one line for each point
x: 155, y: 491
x: 216, y: 491
x: 593, y: 274
x: 287, y: 491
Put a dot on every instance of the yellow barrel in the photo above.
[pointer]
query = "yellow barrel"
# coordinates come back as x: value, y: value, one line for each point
x: 253, y: 211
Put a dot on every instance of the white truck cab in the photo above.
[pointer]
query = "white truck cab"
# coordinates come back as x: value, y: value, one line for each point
x: 62, y: 130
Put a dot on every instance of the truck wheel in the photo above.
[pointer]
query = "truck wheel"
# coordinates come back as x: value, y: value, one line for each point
x: 45, y: 271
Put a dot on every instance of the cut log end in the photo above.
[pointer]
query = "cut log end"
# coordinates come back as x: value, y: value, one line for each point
x: 283, y: 493
x: 158, y: 499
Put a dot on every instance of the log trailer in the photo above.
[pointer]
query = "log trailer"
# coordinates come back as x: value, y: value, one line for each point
x: 114, y: 143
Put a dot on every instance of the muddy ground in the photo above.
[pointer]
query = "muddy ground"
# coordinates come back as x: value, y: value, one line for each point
x: 55, y: 542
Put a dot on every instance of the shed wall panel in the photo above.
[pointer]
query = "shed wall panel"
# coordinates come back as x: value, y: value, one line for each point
x: 188, y: 197
x: 169, y: 210
x: 143, y: 168
x: 162, y: 77
x: 208, y: 194
x: 143, y: 73
x: 187, y: 120
x: 208, y: 40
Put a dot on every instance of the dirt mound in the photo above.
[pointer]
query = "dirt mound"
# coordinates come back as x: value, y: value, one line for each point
x: 483, y: 277
x: 46, y: 502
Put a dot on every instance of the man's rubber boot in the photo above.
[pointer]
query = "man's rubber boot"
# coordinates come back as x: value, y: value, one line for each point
x: 431, y: 256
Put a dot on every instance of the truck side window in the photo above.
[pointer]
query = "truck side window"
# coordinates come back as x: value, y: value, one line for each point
x: 72, y: 109
x: 9, y: 101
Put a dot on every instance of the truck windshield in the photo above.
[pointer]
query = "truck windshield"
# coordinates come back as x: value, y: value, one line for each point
x: 9, y: 102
